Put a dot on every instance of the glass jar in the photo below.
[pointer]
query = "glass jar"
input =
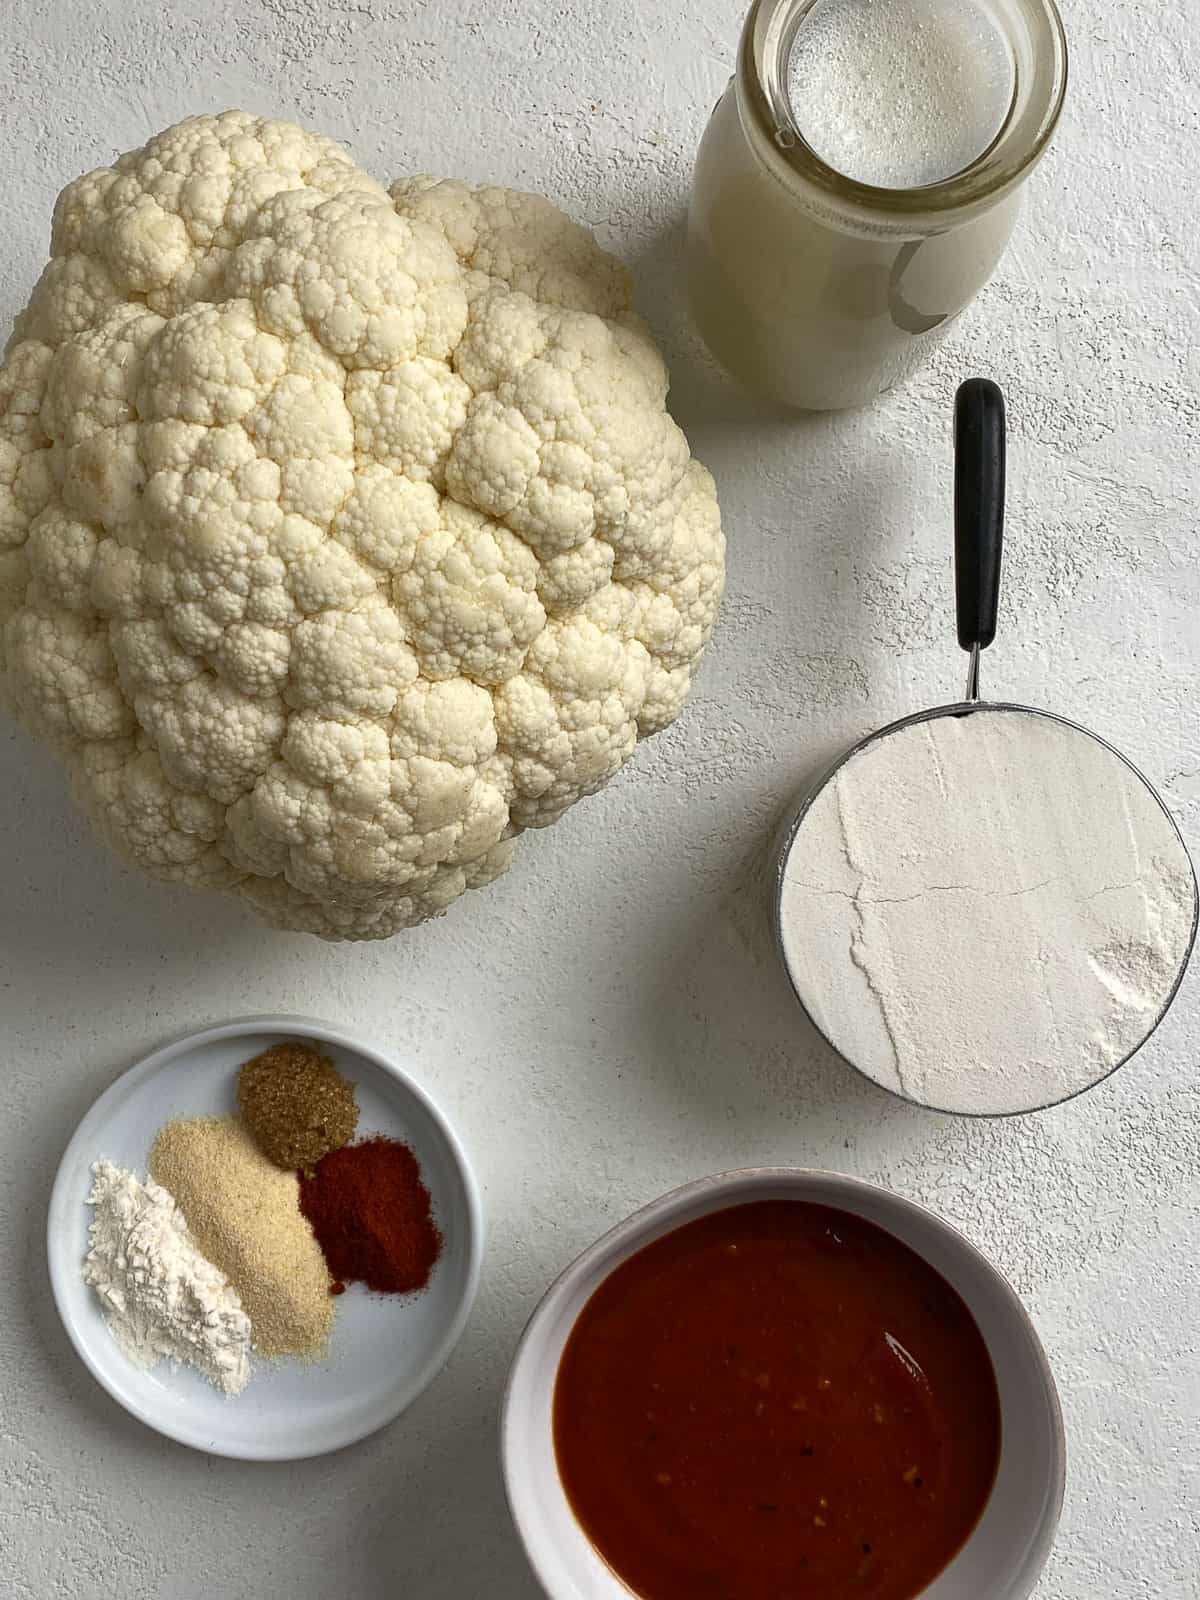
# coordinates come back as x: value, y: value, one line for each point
x: 823, y: 290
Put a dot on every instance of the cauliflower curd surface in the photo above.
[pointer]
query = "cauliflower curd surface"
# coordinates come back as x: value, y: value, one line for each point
x: 344, y: 534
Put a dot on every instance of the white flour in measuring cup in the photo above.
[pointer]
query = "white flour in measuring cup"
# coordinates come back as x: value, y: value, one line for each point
x: 986, y: 913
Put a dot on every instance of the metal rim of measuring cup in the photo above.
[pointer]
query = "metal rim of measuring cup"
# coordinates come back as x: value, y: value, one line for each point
x: 965, y: 708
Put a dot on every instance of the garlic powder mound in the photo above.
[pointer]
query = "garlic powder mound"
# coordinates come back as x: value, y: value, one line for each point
x: 244, y: 1215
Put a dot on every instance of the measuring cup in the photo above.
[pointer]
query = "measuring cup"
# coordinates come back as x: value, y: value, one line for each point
x: 984, y: 907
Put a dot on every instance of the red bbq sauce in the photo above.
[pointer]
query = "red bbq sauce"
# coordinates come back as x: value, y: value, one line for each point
x: 779, y: 1401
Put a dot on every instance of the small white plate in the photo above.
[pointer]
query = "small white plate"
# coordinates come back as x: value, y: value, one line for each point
x: 385, y: 1349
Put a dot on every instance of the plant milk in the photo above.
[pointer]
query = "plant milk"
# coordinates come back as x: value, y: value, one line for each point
x: 822, y: 293
x: 899, y: 93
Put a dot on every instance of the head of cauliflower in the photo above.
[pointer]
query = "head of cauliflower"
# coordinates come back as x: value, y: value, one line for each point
x: 344, y: 535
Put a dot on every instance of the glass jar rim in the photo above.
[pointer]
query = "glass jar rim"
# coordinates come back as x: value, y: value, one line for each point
x: 1039, y: 90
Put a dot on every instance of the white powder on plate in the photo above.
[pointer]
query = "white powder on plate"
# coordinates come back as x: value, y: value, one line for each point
x: 899, y: 93
x: 160, y: 1297
x: 986, y: 913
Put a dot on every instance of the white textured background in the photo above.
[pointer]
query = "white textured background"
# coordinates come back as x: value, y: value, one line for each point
x: 609, y: 1021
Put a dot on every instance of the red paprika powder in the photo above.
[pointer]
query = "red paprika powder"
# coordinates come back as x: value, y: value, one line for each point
x: 371, y: 1216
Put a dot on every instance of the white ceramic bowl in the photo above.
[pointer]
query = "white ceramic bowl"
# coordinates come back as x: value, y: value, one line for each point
x: 385, y: 1349
x: 1002, y: 1558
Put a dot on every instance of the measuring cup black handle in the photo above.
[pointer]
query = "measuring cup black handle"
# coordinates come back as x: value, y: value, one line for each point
x: 978, y: 509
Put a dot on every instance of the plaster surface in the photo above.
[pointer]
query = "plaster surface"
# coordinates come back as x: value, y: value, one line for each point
x: 610, y: 1020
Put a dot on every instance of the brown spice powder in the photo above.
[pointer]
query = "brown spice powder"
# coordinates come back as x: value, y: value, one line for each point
x: 244, y: 1214
x: 296, y: 1104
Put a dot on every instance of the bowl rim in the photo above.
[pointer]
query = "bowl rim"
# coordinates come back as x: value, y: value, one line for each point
x: 62, y: 1197
x: 621, y: 1240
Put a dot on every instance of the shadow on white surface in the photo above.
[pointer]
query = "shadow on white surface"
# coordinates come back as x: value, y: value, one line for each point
x: 722, y: 1028
x: 71, y: 888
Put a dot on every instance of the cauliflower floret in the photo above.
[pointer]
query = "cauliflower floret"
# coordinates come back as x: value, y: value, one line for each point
x: 165, y: 830
x: 469, y: 601
x: 519, y: 240
x: 371, y: 287
x: 63, y: 678
x: 343, y: 536
x: 26, y: 483
x: 569, y: 720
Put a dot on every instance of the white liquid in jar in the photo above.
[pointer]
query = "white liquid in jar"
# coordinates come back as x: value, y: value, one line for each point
x: 899, y: 93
